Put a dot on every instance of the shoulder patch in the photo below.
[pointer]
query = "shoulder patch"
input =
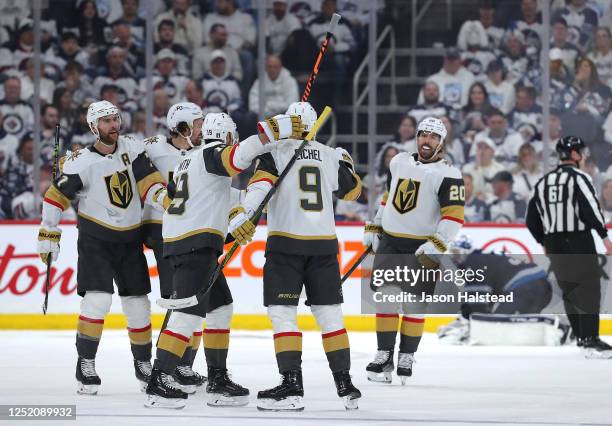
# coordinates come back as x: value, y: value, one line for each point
x: 151, y: 140
x: 73, y: 155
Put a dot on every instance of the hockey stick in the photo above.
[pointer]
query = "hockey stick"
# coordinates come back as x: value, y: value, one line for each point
x: 367, y: 251
x: 53, y: 177
x: 199, y: 297
x: 194, y: 300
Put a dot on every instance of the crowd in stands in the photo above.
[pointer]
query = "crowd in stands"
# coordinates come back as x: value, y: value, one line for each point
x: 488, y: 91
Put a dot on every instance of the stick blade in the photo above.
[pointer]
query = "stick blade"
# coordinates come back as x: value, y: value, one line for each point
x: 187, y: 302
x: 334, y: 23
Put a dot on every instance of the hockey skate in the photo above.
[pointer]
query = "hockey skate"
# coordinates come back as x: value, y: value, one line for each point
x: 142, y: 370
x: 595, y: 348
x: 87, y: 378
x: 288, y: 396
x: 404, y: 366
x: 380, y: 370
x: 346, y: 390
x: 188, y: 379
x: 222, y: 391
x: 164, y: 392
x: 455, y: 333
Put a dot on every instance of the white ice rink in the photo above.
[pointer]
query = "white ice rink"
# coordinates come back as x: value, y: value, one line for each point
x: 450, y: 386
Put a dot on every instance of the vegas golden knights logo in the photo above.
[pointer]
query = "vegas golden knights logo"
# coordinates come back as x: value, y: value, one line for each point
x: 119, y: 189
x: 406, y: 194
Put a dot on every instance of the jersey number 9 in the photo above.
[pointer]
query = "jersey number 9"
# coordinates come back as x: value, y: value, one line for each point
x: 310, y: 181
x: 180, y: 196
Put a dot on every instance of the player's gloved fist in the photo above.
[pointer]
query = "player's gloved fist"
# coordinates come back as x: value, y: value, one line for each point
x: 371, y: 235
x: 430, y: 253
x: 282, y: 127
x: 48, y: 243
x: 161, y: 200
x: 241, y: 228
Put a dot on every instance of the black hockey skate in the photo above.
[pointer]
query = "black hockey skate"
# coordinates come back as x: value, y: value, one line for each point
x: 346, y: 390
x: 404, y: 366
x: 595, y: 348
x: 164, y: 392
x: 142, y: 370
x: 380, y: 370
x: 87, y: 378
x: 222, y: 391
x: 288, y: 396
x: 188, y: 379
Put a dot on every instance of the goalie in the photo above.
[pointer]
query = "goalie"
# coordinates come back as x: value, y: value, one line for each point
x: 518, y: 322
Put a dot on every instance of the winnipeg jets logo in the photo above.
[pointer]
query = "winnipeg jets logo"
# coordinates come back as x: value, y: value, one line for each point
x: 406, y: 195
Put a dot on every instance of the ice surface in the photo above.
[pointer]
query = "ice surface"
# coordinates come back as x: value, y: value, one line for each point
x: 450, y: 386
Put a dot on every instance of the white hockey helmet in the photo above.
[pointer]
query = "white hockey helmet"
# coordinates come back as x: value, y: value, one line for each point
x: 100, y: 109
x: 217, y: 126
x: 307, y: 113
x: 183, y: 112
x: 432, y: 125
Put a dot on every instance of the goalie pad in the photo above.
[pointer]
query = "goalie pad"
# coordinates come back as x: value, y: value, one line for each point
x: 516, y: 330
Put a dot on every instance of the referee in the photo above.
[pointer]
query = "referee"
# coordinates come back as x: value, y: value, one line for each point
x: 561, y: 214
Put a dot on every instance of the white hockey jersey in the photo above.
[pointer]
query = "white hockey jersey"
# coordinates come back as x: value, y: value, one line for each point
x: 421, y: 196
x: 202, y: 195
x: 301, y: 212
x: 109, y: 187
x: 165, y: 158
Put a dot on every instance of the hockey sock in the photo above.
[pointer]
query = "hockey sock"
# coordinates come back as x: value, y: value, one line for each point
x: 288, y: 348
x: 174, y: 340
x: 337, y: 350
x: 94, y: 306
x: 89, y: 331
x: 188, y: 354
x: 411, y: 333
x: 137, y: 310
x: 216, y: 335
x: 386, y: 331
x: 196, y: 342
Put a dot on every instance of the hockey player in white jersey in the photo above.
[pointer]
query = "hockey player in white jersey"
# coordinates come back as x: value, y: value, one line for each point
x: 110, y: 179
x: 301, y: 250
x: 194, y: 230
x: 184, y: 121
x: 419, y: 215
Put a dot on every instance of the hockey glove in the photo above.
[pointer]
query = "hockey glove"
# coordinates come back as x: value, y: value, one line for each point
x: 161, y: 200
x: 282, y: 127
x: 371, y: 235
x: 430, y: 253
x: 48, y: 243
x: 241, y: 228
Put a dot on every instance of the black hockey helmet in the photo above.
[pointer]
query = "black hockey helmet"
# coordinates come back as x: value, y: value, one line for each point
x: 566, y: 145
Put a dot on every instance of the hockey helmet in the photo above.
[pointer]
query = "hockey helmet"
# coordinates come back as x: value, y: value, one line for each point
x: 97, y: 110
x: 432, y: 125
x: 566, y: 145
x: 307, y: 113
x: 218, y: 126
x: 183, y: 114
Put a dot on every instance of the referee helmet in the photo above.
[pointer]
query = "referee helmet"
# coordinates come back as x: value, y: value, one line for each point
x: 566, y: 145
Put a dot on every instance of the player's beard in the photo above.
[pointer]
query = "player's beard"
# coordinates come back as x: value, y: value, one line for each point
x: 426, y: 155
x: 109, y: 139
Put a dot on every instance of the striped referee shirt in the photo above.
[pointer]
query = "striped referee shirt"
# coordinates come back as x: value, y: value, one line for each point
x: 564, y: 200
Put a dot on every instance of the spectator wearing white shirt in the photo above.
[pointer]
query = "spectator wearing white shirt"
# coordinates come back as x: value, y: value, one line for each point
x: 188, y: 27
x: 530, y: 23
x: 280, y: 23
x: 431, y: 105
x: 601, y: 55
x: 475, y: 208
x: 217, y: 40
x: 8, y: 146
x: 166, y: 33
x: 281, y: 89
x: 453, y: 80
x: 405, y: 137
x: 166, y: 76
x: 501, y: 92
x: 527, y: 171
x: 474, y: 44
x: 47, y: 86
x: 560, y: 40
x: 454, y: 150
x: 512, y: 55
x: 484, y: 166
x: 506, y: 205
x: 18, y: 115
x: 581, y: 20
x: 526, y: 109
x: 507, y: 142
x: 221, y: 89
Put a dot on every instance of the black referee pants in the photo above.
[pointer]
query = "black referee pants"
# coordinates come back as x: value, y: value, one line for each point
x: 575, y: 264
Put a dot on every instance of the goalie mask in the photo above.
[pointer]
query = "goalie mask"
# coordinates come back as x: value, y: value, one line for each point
x: 432, y: 125
x: 306, y: 113
x: 180, y: 119
x: 96, y: 111
x: 218, y: 126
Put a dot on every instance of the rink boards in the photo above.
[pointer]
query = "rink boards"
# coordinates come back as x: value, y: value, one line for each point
x: 22, y: 278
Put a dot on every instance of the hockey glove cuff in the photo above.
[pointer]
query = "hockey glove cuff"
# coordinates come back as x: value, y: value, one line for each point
x: 282, y: 127
x: 48, y: 243
x: 430, y: 253
x: 241, y: 228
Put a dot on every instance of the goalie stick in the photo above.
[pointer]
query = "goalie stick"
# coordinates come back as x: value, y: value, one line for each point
x: 53, y: 177
x: 194, y: 300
